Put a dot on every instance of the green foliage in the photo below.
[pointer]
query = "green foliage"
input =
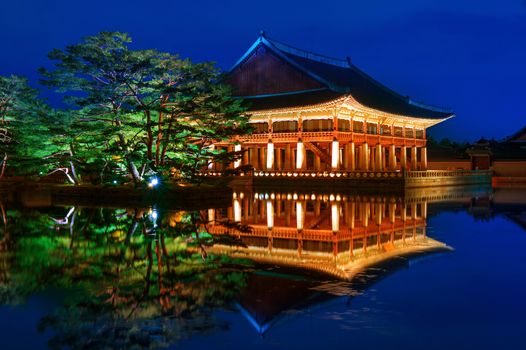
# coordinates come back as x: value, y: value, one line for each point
x: 142, y: 111
x: 131, y: 279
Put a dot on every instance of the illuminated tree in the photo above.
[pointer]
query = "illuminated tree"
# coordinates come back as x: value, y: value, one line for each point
x: 157, y: 112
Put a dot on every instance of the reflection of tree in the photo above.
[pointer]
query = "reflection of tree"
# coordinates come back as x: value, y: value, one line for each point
x: 132, y: 278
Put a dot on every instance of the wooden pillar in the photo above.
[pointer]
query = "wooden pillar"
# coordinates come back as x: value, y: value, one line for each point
x: 237, y: 148
x: 392, y: 158
x: 365, y: 157
x: 335, y: 155
x: 262, y: 158
x: 254, y: 157
x: 423, y: 158
x: 245, y: 156
x: 351, y: 157
x: 288, y: 157
x: 346, y: 157
x: 414, y: 163
x: 317, y: 162
x: 279, y: 164
x: 378, y: 163
x: 403, y: 158
x: 301, y: 155
x: 270, y: 156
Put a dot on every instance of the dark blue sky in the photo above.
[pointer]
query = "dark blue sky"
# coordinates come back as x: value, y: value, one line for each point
x: 469, y: 55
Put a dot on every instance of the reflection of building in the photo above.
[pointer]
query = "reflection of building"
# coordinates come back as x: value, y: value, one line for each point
x: 335, y: 234
x: 316, y: 113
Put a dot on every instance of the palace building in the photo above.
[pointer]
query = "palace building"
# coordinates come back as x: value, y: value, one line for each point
x: 314, y: 113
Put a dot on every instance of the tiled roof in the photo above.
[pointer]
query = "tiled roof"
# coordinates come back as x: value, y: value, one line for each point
x: 340, y: 77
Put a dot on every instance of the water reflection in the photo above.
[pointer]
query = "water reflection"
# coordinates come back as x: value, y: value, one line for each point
x: 149, y: 277
x: 335, y: 234
x: 130, y: 276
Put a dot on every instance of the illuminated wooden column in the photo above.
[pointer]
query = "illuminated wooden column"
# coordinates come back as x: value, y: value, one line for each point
x: 288, y: 157
x: 378, y: 158
x: 262, y: 159
x: 352, y: 156
x: 335, y: 155
x: 279, y: 163
x: 317, y: 162
x: 392, y: 158
x: 301, y: 155
x: 230, y: 149
x: 346, y: 160
x: 237, y: 210
x: 237, y: 148
x: 403, y: 157
x: 423, y: 158
x: 364, y: 157
x: 254, y: 157
x: 270, y: 155
x: 245, y: 157
x: 414, y: 163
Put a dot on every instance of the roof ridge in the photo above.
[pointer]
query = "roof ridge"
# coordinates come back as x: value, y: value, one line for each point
x: 308, y: 54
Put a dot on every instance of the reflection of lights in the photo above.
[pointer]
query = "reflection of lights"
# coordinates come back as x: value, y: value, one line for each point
x: 295, y: 197
x: 331, y: 197
x: 270, y: 214
x: 335, y: 217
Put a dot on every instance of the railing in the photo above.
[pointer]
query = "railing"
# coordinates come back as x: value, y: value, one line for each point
x: 445, y: 173
x: 327, y: 135
x: 315, y: 174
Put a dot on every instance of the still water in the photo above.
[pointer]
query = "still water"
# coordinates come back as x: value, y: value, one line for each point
x: 434, y: 269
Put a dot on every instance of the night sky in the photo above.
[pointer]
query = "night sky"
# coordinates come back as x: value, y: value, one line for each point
x: 469, y: 55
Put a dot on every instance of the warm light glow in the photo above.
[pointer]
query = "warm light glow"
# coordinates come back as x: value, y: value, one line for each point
x: 270, y: 214
x: 335, y: 217
x: 335, y: 154
x: 237, y: 148
x: 211, y: 215
x: 270, y: 155
x: 300, y: 155
x: 300, y: 215
x: 237, y: 210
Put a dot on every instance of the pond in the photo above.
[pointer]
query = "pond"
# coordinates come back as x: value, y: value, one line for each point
x: 273, y: 269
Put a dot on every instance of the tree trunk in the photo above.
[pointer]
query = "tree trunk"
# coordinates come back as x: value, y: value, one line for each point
x: 4, y: 163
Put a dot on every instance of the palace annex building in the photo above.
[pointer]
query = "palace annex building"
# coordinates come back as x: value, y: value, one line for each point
x: 314, y: 113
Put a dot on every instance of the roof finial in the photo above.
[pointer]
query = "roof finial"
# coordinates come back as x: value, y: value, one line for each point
x: 262, y: 33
